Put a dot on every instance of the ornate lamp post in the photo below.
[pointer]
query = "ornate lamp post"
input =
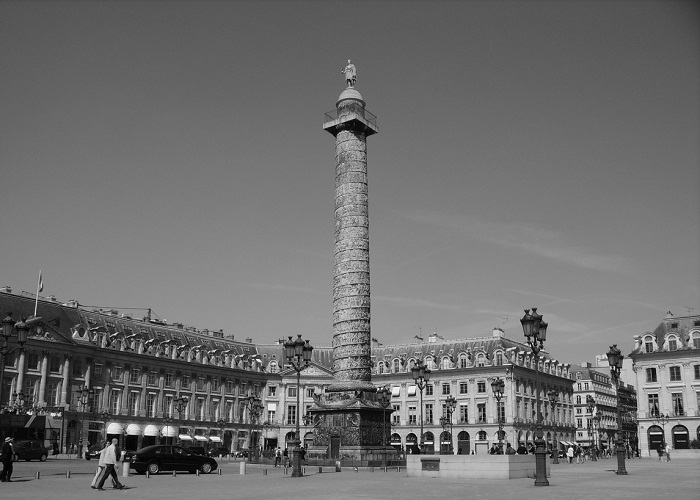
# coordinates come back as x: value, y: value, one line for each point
x: 535, y: 331
x: 105, y: 416
x: 167, y: 421
x: 180, y: 406
x: 590, y: 402
x: 421, y: 375
x: 552, y: 395
x: 615, y: 361
x: 596, y: 432
x: 384, y: 397
x: 450, y: 405
x: 497, y: 386
x: 84, y: 396
x: 662, y: 420
x: 255, y: 408
x: 8, y: 325
x: 222, y: 423
x: 298, y: 354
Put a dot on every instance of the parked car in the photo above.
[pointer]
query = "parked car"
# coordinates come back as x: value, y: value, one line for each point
x: 197, y: 450
x: 240, y: 454
x: 93, y: 451
x: 219, y: 452
x: 30, y: 449
x: 168, y: 458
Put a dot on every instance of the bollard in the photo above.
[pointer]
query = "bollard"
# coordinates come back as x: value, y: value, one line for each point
x: 242, y: 469
x: 67, y: 474
x: 264, y: 472
x: 320, y: 470
x: 197, y: 472
x: 174, y: 473
x: 219, y: 471
x: 303, y: 471
x: 37, y: 475
x: 337, y: 466
x: 371, y: 469
x: 148, y: 475
x: 126, y: 468
x: 386, y: 469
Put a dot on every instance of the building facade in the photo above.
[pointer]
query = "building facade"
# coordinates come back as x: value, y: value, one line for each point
x: 667, y: 369
x: 137, y: 369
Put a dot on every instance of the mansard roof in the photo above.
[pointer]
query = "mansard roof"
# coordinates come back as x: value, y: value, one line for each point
x: 683, y: 328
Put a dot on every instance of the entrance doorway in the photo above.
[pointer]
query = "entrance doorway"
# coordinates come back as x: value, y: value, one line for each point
x: 335, y: 447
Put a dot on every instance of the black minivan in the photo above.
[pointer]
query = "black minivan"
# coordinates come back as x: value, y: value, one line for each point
x: 30, y: 449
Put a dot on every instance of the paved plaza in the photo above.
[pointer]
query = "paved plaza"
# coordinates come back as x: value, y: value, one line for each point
x: 647, y: 479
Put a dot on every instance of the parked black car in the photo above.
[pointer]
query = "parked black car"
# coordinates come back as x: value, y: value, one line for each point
x: 93, y: 451
x: 167, y: 458
x: 219, y: 452
x: 30, y: 449
x: 197, y: 450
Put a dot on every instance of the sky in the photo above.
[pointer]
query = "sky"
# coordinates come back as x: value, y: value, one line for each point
x: 170, y: 155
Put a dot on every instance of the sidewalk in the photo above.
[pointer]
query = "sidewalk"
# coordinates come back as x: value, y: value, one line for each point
x: 647, y: 479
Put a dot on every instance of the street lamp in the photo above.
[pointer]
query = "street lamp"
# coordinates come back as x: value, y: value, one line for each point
x: 180, y: 406
x: 590, y: 402
x: 596, y: 432
x: 450, y: 405
x: 255, y: 408
x: 555, y: 446
x: 8, y: 325
x: 105, y: 416
x: 222, y: 423
x: 662, y: 420
x: 84, y: 396
x: 615, y: 357
x: 498, y: 386
x: 535, y: 331
x: 421, y: 375
x: 384, y: 397
x: 298, y: 355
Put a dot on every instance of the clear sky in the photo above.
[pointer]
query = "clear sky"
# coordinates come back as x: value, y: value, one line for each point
x: 170, y: 155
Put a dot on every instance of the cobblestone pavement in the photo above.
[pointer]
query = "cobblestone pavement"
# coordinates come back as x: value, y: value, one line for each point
x: 646, y: 479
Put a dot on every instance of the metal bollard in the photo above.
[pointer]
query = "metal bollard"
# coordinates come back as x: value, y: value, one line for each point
x: 37, y: 475
x: 337, y: 466
x: 264, y: 472
x: 320, y: 470
x: 174, y: 473
x: 197, y: 472
x: 242, y: 469
x: 67, y: 474
x: 219, y: 471
x: 148, y: 475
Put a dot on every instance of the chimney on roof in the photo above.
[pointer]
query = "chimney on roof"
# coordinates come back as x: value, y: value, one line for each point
x: 498, y: 333
x: 249, y: 340
x: 669, y: 314
x: 53, y: 298
x: 6, y: 289
x: 637, y: 341
x: 219, y: 334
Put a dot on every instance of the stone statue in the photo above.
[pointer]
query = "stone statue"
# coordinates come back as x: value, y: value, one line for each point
x: 350, y: 74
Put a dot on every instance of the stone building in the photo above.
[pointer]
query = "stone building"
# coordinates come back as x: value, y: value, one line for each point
x: 667, y: 369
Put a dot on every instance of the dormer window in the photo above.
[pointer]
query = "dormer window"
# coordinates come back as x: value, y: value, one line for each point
x: 648, y: 345
x: 672, y: 344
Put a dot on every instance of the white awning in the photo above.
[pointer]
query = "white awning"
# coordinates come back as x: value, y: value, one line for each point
x: 215, y: 439
x: 168, y: 431
x: 201, y: 438
x: 396, y: 392
x: 133, y: 430
x: 115, y: 428
x: 411, y: 390
x: 185, y: 437
x: 151, y: 430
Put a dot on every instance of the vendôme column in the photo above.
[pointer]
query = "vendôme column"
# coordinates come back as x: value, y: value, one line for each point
x: 351, y: 124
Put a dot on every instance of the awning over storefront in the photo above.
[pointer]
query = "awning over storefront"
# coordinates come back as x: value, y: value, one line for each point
x: 133, y: 430
x: 115, y: 428
x: 185, y: 437
x: 151, y: 430
x: 215, y: 439
x: 169, y: 431
x: 201, y: 438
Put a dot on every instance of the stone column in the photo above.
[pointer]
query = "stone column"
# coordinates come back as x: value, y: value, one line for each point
x: 351, y: 285
x: 42, y: 383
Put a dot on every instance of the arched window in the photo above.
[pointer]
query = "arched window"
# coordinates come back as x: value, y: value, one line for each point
x: 649, y: 344
x: 499, y: 358
x: 578, y: 400
x: 380, y: 367
x: 446, y: 364
x: 480, y: 360
x: 273, y: 367
x: 672, y: 343
x: 482, y: 436
x: 695, y: 340
x: 397, y: 366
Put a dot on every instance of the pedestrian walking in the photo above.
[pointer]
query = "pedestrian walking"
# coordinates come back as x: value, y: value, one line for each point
x: 100, y: 469
x: 660, y: 450
x: 7, y: 456
x: 110, y: 462
x: 570, y: 454
x: 285, y: 454
x: 278, y: 456
x: 668, y: 452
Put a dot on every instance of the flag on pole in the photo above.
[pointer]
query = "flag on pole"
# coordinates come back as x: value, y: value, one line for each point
x: 40, y: 286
